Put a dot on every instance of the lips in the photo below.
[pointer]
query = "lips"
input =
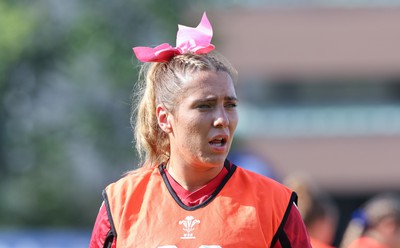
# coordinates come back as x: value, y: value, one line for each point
x: 218, y: 141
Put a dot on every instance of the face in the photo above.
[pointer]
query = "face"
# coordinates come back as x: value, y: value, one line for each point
x: 202, y: 125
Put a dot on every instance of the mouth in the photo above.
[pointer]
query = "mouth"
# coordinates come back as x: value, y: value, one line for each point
x: 218, y: 142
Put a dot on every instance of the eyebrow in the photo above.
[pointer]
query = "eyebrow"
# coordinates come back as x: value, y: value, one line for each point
x: 213, y: 98
x: 231, y: 98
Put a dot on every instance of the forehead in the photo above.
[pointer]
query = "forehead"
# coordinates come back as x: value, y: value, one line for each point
x: 206, y: 83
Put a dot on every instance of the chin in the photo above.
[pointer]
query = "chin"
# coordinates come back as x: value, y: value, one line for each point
x: 215, y: 160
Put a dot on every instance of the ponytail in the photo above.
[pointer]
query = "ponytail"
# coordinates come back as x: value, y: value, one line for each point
x: 355, y: 229
x: 151, y: 142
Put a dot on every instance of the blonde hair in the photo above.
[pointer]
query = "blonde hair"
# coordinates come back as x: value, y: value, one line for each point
x: 162, y: 83
x: 381, y: 206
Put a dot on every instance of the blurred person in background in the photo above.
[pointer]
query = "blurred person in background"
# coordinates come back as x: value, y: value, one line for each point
x: 376, y: 224
x: 187, y: 194
x: 319, y: 212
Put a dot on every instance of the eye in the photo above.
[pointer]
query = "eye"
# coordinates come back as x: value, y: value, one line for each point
x: 231, y: 105
x: 203, y: 106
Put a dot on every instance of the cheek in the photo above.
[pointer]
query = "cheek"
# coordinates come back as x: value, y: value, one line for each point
x: 198, y: 126
x: 234, y: 120
x: 192, y: 126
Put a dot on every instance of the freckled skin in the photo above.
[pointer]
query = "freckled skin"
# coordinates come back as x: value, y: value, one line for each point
x: 206, y: 110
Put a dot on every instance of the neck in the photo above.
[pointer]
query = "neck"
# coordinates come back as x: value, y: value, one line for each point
x: 191, y: 177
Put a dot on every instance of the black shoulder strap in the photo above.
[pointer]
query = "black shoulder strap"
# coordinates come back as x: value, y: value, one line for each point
x: 279, y: 233
x: 112, y: 234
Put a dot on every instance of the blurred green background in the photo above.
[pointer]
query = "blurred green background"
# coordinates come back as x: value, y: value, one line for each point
x: 66, y: 74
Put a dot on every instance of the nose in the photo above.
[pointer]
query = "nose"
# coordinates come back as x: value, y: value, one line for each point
x: 221, y: 119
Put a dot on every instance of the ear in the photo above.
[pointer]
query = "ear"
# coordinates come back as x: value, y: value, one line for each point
x: 163, y: 118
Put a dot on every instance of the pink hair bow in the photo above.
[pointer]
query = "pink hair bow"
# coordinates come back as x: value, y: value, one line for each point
x: 196, y: 40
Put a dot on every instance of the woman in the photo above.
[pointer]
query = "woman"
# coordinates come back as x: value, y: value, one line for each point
x: 187, y: 194
x: 319, y: 212
x: 376, y: 224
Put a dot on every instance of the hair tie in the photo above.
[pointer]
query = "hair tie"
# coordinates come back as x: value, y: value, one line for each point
x: 196, y: 40
x: 360, y: 217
